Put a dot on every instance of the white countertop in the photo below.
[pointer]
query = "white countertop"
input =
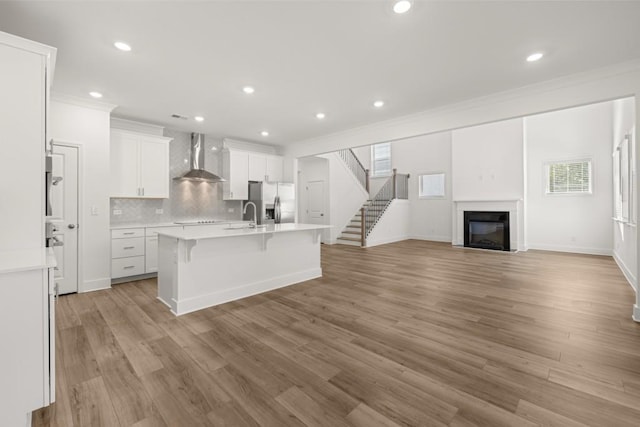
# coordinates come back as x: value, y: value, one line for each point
x: 26, y: 259
x: 215, y: 233
x: 170, y: 224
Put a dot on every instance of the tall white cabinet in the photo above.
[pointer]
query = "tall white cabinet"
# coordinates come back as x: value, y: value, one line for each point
x: 27, y: 332
x: 139, y: 165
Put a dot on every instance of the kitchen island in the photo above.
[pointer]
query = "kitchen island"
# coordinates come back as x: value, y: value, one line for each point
x: 199, y: 268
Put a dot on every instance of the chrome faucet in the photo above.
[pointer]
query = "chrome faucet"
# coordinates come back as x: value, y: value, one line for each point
x: 255, y: 214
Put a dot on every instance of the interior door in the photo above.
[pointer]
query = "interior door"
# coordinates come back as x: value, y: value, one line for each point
x: 64, y: 200
x: 315, y: 202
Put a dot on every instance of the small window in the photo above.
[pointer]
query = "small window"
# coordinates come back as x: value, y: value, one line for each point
x: 569, y: 177
x: 431, y: 186
x: 381, y: 159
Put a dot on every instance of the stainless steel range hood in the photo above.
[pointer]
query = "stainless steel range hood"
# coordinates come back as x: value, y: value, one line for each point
x: 197, y: 172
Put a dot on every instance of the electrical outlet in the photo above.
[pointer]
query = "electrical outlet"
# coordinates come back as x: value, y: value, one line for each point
x: 159, y: 211
x: 94, y: 210
x: 231, y: 210
x: 117, y: 212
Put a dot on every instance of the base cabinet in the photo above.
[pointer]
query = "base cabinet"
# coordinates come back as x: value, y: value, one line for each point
x: 27, y: 337
x: 134, y: 251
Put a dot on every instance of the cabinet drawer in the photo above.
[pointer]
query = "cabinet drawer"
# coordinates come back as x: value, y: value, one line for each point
x: 130, y: 266
x: 121, y: 248
x: 127, y: 232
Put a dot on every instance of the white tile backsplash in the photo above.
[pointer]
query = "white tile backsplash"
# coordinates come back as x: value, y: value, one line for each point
x: 189, y: 200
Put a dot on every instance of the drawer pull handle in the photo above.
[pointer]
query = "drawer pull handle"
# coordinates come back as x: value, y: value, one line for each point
x: 128, y: 267
x: 129, y: 247
x: 127, y: 234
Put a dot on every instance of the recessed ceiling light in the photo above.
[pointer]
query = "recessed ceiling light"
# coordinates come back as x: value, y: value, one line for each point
x: 248, y: 89
x: 264, y: 133
x: 320, y: 116
x: 378, y: 104
x: 95, y: 94
x: 402, y: 6
x: 534, y: 57
x: 214, y: 148
x: 122, y: 46
x: 199, y: 119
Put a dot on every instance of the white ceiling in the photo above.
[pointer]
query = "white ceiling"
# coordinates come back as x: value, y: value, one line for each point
x: 303, y: 57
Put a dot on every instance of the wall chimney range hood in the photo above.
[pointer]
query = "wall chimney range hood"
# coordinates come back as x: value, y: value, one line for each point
x: 196, y: 162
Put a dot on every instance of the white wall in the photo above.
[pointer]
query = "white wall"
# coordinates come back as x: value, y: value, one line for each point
x: 430, y: 219
x: 393, y: 226
x: 89, y: 128
x: 570, y: 223
x: 487, y: 162
x: 625, y: 235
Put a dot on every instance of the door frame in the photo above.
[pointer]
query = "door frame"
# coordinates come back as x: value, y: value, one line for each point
x: 81, y: 222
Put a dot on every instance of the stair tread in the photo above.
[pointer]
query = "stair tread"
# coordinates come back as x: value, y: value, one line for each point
x: 352, y: 239
x: 357, y: 233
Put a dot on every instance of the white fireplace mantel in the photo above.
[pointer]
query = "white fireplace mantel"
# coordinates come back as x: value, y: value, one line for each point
x: 513, y: 206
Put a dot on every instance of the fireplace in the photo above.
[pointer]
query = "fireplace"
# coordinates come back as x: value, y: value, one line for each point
x: 487, y: 230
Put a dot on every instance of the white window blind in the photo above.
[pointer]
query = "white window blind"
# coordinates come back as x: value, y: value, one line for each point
x: 381, y: 159
x: 569, y: 177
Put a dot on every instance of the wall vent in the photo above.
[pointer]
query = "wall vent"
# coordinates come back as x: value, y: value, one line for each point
x: 178, y: 116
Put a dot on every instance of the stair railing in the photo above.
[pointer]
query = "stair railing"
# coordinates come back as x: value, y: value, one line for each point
x: 355, y: 166
x: 396, y: 187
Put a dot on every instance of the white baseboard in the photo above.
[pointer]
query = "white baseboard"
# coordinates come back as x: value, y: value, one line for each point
x: 571, y: 249
x: 631, y: 278
x: 95, y: 285
x: 447, y: 239
x: 385, y: 241
x: 189, y: 305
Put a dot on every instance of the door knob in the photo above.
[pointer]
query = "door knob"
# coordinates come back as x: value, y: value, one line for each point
x: 71, y: 226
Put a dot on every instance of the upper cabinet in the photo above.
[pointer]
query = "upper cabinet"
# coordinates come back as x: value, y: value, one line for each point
x: 265, y: 167
x: 235, y: 166
x: 139, y: 165
x: 274, y: 167
x: 240, y: 167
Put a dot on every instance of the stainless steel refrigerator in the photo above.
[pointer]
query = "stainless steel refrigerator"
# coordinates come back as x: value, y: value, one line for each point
x: 275, y: 202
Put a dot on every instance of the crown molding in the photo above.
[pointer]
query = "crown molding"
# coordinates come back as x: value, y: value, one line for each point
x: 81, y: 102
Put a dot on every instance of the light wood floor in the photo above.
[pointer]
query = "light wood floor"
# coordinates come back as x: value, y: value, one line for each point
x: 412, y: 333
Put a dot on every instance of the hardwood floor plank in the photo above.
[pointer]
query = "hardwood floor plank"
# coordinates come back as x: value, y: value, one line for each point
x: 91, y: 404
x: 363, y: 416
x: 544, y: 417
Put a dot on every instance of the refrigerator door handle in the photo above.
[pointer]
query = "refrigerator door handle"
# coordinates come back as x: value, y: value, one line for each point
x: 276, y: 210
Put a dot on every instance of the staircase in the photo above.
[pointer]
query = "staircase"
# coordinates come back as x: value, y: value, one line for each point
x: 358, y: 229
x: 352, y: 233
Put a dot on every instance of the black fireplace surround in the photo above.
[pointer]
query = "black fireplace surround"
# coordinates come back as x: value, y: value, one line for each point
x: 487, y: 230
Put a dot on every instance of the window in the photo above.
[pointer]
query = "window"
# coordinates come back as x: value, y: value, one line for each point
x: 431, y: 185
x: 569, y: 177
x: 381, y: 159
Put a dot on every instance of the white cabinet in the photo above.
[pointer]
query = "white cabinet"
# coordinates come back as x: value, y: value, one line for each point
x: 134, y: 251
x: 257, y: 167
x: 139, y: 165
x: 26, y: 330
x: 127, y: 252
x: 235, y: 165
x: 265, y: 167
x: 274, y: 168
